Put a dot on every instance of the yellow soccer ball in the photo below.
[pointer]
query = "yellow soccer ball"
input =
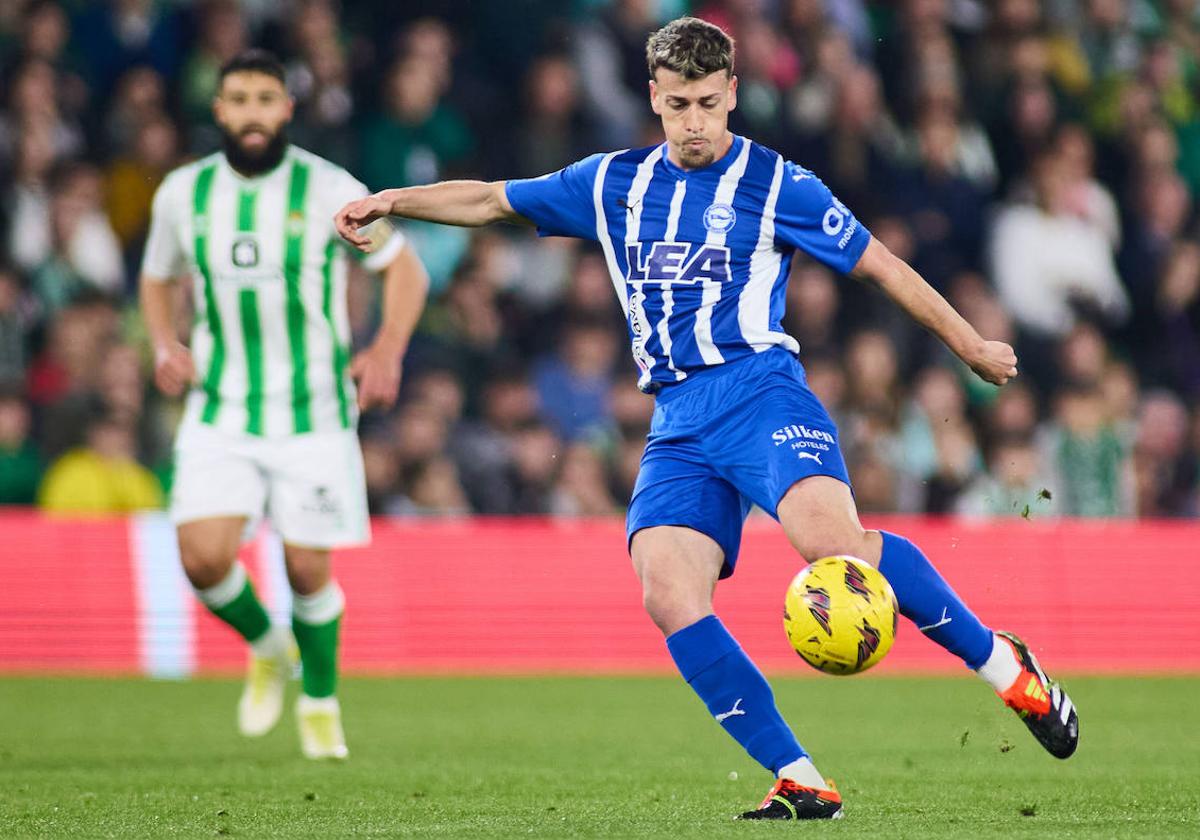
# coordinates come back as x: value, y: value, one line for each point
x: 840, y: 615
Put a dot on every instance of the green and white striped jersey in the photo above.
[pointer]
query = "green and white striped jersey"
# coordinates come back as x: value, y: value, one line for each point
x: 271, y: 339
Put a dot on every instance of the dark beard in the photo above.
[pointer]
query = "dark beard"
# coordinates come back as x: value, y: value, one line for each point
x: 254, y: 163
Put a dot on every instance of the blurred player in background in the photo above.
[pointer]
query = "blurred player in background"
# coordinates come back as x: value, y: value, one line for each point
x: 699, y: 235
x: 271, y: 411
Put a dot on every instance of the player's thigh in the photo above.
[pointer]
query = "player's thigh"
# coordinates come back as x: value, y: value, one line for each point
x: 676, y: 488
x: 318, y: 491
x: 308, y: 569
x: 215, y: 478
x: 208, y: 548
x: 820, y: 519
x: 676, y: 563
x: 678, y: 568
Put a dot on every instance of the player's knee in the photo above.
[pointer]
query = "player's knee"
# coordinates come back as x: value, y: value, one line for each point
x: 658, y: 598
x: 670, y: 602
x: 678, y: 569
x: 205, y: 566
x: 670, y: 613
x: 208, y: 549
x: 852, y: 540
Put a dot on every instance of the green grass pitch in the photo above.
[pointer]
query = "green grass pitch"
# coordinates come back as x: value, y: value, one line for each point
x: 589, y: 757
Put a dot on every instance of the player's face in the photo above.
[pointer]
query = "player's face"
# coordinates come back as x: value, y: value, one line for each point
x: 252, y: 110
x: 695, y: 115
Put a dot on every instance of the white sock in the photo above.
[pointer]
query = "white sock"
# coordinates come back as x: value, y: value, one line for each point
x: 803, y: 772
x: 1002, y: 667
x: 222, y: 593
x: 321, y: 607
x: 273, y: 644
x: 308, y: 704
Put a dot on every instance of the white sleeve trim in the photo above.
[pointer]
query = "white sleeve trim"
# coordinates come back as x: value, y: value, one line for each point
x: 378, y: 260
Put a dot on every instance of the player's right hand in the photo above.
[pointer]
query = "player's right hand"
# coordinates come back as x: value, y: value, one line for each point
x: 994, y: 362
x: 358, y: 214
x: 174, y: 369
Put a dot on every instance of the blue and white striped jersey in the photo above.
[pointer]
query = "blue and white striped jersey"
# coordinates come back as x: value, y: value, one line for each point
x: 699, y: 258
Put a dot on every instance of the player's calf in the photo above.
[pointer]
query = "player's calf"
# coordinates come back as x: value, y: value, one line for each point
x: 316, y: 623
x: 233, y: 600
x: 1001, y: 659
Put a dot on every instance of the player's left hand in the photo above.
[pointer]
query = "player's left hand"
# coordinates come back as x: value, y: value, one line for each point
x: 994, y: 362
x: 376, y: 372
x: 356, y: 215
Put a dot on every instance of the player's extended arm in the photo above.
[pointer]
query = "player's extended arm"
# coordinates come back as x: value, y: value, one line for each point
x: 173, y: 367
x: 377, y: 368
x: 462, y: 203
x: 994, y: 361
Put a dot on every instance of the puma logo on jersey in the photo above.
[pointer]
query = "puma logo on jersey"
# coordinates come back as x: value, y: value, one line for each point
x: 814, y: 456
x: 677, y: 262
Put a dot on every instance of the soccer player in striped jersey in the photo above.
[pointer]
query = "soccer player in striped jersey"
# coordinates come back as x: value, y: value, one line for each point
x: 271, y: 410
x: 699, y: 233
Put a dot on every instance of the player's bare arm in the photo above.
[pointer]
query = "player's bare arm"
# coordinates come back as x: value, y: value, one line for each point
x: 462, y: 203
x: 174, y: 369
x: 377, y: 369
x: 993, y: 361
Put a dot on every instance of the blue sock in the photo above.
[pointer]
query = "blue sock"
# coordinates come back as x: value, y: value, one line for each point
x: 928, y: 601
x: 735, y: 691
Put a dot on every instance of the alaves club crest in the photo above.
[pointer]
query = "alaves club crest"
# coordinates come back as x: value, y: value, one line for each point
x: 719, y: 218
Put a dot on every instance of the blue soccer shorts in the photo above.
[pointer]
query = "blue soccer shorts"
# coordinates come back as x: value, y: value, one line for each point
x: 735, y: 436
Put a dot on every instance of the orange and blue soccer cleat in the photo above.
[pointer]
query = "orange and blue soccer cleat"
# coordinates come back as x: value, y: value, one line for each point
x: 1039, y: 701
x: 790, y: 801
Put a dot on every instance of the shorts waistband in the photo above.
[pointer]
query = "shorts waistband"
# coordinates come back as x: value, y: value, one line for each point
x: 714, y: 373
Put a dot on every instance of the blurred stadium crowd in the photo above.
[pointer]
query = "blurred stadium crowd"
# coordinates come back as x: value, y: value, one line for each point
x: 1038, y: 162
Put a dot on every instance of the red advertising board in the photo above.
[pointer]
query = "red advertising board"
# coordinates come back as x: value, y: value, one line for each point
x: 480, y: 595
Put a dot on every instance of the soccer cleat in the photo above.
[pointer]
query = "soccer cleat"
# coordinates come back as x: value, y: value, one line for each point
x: 1039, y: 701
x: 790, y: 801
x: 261, y: 703
x: 320, y: 721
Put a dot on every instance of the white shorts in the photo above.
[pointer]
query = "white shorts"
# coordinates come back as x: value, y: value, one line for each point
x: 310, y: 486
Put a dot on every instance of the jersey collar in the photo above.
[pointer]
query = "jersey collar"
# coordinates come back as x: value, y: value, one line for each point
x: 717, y: 167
